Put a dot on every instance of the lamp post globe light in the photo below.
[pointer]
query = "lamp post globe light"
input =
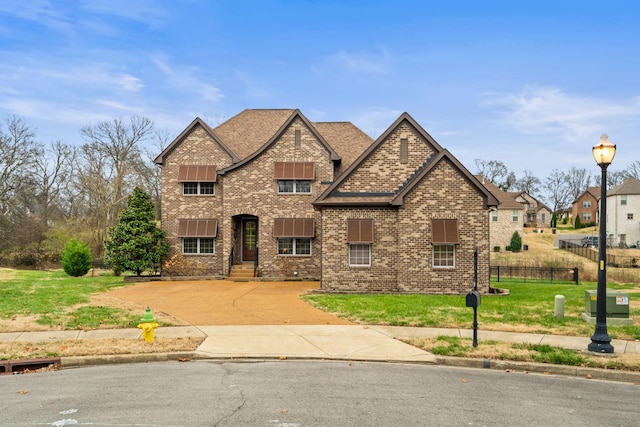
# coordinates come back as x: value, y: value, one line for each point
x: 603, y: 153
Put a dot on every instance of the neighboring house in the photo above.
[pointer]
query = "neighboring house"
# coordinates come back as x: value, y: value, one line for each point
x: 320, y: 200
x: 537, y: 214
x: 623, y: 214
x: 586, y: 206
x: 506, y: 219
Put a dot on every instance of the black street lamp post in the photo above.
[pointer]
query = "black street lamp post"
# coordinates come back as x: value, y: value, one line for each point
x: 603, y: 153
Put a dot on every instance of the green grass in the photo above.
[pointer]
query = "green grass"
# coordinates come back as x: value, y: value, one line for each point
x: 49, y: 295
x: 529, y: 305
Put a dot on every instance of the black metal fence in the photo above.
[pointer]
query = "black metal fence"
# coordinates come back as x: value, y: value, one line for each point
x: 591, y: 253
x: 537, y: 274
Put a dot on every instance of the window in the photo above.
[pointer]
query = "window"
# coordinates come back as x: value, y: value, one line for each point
x: 359, y: 254
x: 360, y: 238
x: 198, y: 245
x: 198, y: 188
x: 294, y: 235
x: 444, y: 256
x: 494, y: 216
x: 623, y: 200
x: 515, y: 216
x: 629, y: 216
x: 586, y: 204
x: 198, y: 235
x: 294, y: 186
x: 586, y: 216
x: 544, y: 218
x: 294, y: 246
x: 197, y: 179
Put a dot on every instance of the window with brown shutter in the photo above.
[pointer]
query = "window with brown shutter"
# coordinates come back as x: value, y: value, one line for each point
x: 360, y: 230
x: 444, y: 231
x: 294, y: 227
x: 294, y: 170
x: 197, y: 173
x: 197, y: 227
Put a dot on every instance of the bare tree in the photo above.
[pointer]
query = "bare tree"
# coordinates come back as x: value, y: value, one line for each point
x: 557, y: 190
x: 633, y: 171
x: 529, y: 183
x: 111, y: 159
x: 53, y: 172
x: 578, y: 181
x: 495, y: 171
x: 18, y: 151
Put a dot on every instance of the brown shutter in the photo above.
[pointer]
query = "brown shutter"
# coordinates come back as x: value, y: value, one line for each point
x: 197, y: 173
x: 197, y: 227
x: 294, y: 170
x: 445, y: 231
x: 294, y: 227
x: 360, y: 230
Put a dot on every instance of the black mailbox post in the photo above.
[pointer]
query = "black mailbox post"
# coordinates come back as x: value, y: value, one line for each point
x: 473, y: 297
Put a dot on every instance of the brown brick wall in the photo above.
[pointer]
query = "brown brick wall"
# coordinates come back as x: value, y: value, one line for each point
x: 249, y: 190
x: 382, y: 171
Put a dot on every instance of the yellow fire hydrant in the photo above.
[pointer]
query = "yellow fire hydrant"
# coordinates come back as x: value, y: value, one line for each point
x: 148, y: 325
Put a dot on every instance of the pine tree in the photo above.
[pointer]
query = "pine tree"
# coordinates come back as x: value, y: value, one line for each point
x: 516, y: 242
x: 76, y: 258
x: 136, y: 243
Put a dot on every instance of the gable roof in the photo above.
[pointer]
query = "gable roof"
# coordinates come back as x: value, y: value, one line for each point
x: 248, y: 130
x: 347, y: 139
x: 295, y: 114
x: 516, y: 194
x: 628, y: 187
x: 195, y: 123
x: 593, y: 191
x: 505, y: 200
x: 330, y: 196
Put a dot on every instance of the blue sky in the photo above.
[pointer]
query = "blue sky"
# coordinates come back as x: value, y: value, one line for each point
x: 530, y: 83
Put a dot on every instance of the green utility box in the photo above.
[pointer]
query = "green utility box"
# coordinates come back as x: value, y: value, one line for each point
x: 617, y: 307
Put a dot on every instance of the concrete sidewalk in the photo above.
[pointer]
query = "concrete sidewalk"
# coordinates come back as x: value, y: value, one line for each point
x: 353, y: 342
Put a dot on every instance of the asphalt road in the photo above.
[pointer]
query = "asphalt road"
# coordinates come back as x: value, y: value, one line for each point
x: 310, y: 393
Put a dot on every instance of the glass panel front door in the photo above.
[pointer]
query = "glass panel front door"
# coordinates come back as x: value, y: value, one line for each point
x: 249, y: 239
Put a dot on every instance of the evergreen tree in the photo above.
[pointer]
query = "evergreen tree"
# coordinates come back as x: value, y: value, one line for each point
x: 578, y: 223
x: 516, y: 242
x: 76, y: 258
x: 136, y: 243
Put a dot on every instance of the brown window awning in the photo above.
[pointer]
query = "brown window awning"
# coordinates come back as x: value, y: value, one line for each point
x: 360, y: 230
x: 294, y: 227
x: 197, y: 173
x: 445, y: 231
x: 197, y: 227
x: 294, y: 170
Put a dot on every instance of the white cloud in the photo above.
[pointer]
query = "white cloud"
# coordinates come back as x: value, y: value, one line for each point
x: 374, y: 122
x: 40, y: 11
x: 147, y: 11
x: 185, y: 78
x: 547, y: 110
x: 360, y: 63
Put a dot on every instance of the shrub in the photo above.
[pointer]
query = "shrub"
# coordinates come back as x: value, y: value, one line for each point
x: 516, y: 242
x: 76, y: 258
x: 578, y: 223
x: 496, y: 249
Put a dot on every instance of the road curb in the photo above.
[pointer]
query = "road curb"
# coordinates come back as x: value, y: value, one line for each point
x: 542, y: 368
x: 75, y: 361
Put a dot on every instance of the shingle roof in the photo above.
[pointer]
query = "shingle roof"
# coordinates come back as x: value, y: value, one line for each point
x: 505, y: 199
x: 629, y: 186
x: 247, y: 131
x: 346, y: 139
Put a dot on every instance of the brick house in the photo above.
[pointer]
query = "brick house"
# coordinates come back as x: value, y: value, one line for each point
x: 586, y: 206
x: 537, y: 214
x: 504, y: 220
x: 290, y: 197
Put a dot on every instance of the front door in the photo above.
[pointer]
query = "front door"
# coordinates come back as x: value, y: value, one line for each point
x: 249, y: 239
